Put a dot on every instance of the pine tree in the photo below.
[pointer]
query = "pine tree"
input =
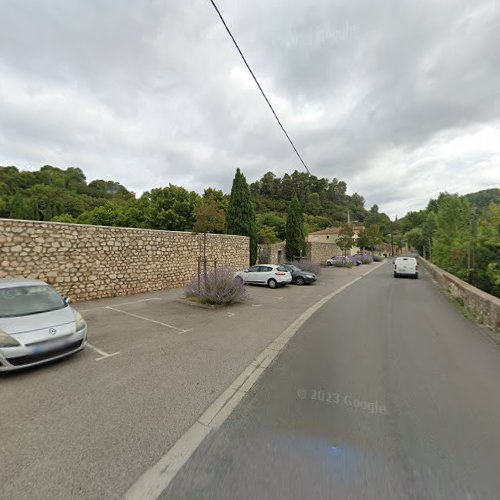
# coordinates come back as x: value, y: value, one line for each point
x: 240, y: 214
x: 295, y: 233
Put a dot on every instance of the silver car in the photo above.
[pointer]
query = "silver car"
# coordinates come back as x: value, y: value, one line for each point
x: 36, y: 325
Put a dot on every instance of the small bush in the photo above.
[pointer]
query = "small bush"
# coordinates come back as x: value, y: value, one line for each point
x: 308, y: 266
x: 366, y: 260
x: 378, y: 258
x: 220, y: 288
x: 339, y: 263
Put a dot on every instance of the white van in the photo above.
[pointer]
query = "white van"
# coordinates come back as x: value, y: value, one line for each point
x: 406, y: 266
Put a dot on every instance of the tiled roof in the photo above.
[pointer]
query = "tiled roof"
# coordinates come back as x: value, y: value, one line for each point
x: 332, y: 230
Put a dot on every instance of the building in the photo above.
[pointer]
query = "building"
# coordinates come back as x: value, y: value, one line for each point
x: 330, y: 235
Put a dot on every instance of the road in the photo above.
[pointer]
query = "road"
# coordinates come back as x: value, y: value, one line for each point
x: 387, y: 392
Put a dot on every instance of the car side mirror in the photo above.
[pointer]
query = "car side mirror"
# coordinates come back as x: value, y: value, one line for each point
x: 245, y: 271
x: 67, y: 301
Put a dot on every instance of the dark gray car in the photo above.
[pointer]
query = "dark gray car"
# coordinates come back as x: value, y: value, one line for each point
x: 300, y: 277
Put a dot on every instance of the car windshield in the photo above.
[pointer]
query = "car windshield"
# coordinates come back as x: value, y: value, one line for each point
x: 26, y: 300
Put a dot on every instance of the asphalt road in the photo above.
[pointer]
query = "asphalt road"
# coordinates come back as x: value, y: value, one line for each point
x: 387, y: 392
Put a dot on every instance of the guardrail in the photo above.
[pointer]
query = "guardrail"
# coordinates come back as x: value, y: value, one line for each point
x: 485, y: 307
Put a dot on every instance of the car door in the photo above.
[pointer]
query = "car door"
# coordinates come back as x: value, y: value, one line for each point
x: 251, y: 276
x: 264, y: 274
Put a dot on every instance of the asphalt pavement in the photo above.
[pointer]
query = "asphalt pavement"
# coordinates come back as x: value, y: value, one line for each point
x: 387, y: 392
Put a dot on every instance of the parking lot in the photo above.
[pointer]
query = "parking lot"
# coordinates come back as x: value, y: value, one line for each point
x: 89, y: 425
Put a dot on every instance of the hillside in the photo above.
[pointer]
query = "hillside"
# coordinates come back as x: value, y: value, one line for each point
x: 55, y: 194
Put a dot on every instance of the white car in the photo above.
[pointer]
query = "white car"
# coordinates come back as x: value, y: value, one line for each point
x: 36, y: 325
x: 270, y: 275
x: 406, y: 266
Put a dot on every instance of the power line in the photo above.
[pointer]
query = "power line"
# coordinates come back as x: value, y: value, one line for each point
x: 258, y: 85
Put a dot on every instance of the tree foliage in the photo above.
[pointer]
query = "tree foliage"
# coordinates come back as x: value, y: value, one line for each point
x: 240, y: 215
x: 460, y: 234
x: 295, y: 233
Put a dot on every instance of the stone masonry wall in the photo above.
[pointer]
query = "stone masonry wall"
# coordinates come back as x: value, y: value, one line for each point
x: 88, y: 262
x: 272, y: 253
x: 320, y: 252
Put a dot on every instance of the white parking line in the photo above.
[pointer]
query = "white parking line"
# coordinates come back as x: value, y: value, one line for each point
x: 179, y: 330
x: 122, y: 304
x: 103, y: 354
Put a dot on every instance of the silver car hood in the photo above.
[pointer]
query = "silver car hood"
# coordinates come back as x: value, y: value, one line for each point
x: 41, y: 321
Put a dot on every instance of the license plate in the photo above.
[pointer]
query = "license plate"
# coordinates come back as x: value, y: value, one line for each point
x: 50, y: 346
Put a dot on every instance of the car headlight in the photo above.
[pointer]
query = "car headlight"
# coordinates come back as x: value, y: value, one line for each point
x: 7, y: 341
x: 80, y: 322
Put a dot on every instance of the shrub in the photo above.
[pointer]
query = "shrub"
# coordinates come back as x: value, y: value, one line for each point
x: 339, y: 263
x: 308, y: 266
x: 366, y: 260
x: 220, y: 288
x: 378, y: 258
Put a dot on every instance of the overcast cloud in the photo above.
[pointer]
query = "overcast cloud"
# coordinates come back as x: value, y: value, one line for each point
x: 401, y: 99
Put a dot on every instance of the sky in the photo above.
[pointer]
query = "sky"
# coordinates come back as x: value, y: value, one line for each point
x: 400, y: 99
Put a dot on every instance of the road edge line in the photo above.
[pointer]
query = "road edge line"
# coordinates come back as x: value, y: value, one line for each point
x: 157, y: 478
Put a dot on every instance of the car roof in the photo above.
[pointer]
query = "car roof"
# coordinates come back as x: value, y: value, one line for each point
x: 13, y: 282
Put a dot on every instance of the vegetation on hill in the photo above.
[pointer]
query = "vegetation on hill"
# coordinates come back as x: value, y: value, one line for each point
x: 54, y: 194
x: 460, y: 234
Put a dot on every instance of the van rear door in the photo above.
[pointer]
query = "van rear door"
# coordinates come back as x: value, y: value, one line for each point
x: 406, y: 265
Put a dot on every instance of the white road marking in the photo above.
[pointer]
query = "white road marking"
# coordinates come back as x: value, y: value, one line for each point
x: 119, y: 305
x: 103, y: 354
x: 230, y: 314
x: 278, y: 298
x: 155, y: 480
x: 256, y: 305
x: 179, y: 330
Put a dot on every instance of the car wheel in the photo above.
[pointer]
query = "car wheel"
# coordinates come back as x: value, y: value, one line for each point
x: 395, y: 275
x: 299, y: 281
x: 328, y: 263
x: 272, y: 283
x: 416, y: 276
x: 238, y: 279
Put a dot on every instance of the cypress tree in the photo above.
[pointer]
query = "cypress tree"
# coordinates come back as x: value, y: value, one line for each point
x: 240, y: 214
x: 295, y: 232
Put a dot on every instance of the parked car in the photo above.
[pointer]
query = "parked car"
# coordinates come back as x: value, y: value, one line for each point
x: 363, y: 257
x: 406, y: 266
x: 36, y: 325
x: 343, y: 260
x: 300, y: 277
x: 265, y: 274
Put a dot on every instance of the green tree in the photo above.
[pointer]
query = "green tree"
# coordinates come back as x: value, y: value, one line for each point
x: 451, y: 244
x: 266, y: 235
x: 172, y: 208
x: 487, y: 265
x: 18, y: 208
x: 240, y: 214
x: 345, y: 239
x: 209, y: 218
x: 295, y: 232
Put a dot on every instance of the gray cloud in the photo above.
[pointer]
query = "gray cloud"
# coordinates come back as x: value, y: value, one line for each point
x: 400, y: 99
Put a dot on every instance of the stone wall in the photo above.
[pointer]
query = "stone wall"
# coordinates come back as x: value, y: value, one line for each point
x: 272, y: 253
x: 88, y: 262
x: 320, y: 252
x: 485, y: 307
